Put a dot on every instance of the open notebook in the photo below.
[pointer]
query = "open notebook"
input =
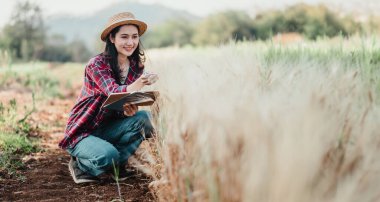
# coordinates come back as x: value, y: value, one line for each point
x: 115, y: 101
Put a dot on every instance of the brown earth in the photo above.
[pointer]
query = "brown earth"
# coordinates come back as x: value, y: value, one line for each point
x: 46, y: 174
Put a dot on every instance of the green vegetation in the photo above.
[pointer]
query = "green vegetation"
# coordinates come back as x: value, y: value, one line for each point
x: 24, y: 35
x: 34, y: 80
x: 357, y: 54
x: 25, y: 38
x: 311, y: 22
x: 14, y: 140
x: 175, y: 32
x: 222, y: 27
x: 18, y: 133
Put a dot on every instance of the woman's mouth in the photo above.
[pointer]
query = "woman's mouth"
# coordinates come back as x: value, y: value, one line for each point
x: 129, y: 49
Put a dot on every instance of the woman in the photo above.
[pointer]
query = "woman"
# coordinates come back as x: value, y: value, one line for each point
x: 98, y: 139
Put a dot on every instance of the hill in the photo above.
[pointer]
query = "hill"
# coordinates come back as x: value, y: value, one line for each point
x: 88, y: 27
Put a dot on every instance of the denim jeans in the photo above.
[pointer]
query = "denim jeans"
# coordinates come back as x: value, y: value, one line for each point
x: 114, y: 141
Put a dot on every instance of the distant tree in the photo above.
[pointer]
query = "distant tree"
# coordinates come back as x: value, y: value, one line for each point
x: 24, y: 35
x: 78, y: 51
x: 55, y: 49
x: 58, y: 50
x: 311, y: 21
x: 222, y: 27
x: 269, y: 23
x: 176, y: 32
x: 54, y: 53
x: 373, y: 24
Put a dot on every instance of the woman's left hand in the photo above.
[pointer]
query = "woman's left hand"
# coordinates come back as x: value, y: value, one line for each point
x: 149, y: 78
x: 130, y: 110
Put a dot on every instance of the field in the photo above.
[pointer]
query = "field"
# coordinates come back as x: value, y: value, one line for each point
x: 241, y: 122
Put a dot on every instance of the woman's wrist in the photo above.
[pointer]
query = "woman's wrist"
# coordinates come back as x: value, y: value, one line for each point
x: 135, y: 86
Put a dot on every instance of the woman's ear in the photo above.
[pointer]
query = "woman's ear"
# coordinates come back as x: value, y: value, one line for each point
x: 111, y: 38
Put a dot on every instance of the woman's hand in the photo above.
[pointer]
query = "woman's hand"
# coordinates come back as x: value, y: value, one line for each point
x: 144, y: 79
x: 149, y: 78
x: 136, y: 85
x: 130, y: 110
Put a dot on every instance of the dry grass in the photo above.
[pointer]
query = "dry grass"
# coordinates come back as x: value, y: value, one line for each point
x: 244, y: 123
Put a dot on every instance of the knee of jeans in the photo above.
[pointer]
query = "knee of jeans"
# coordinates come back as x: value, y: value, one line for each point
x: 145, y: 118
x: 143, y: 115
x: 107, y: 158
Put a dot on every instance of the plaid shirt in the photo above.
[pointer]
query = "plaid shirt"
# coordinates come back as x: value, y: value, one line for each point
x: 87, y: 114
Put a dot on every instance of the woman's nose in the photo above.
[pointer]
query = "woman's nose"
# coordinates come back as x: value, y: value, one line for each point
x: 129, y: 41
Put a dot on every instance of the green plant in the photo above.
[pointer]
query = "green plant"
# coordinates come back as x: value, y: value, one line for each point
x: 116, y: 174
x: 14, y: 141
x: 12, y: 148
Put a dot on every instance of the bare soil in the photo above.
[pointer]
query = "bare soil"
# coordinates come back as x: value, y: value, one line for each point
x: 46, y: 175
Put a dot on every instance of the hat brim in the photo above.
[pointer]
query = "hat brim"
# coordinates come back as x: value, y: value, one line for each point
x: 141, y: 26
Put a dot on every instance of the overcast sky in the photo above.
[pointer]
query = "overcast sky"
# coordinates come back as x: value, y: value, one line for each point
x: 197, y: 7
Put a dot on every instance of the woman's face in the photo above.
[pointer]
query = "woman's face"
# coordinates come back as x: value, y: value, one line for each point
x: 126, y: 40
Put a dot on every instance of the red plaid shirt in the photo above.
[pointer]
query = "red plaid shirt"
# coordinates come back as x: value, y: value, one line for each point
x: 86, y: 114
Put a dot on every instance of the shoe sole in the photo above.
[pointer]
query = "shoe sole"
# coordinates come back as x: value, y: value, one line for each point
x: 76, y: 180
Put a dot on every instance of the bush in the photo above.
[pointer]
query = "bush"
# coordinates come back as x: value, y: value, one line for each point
x: 311, y: 21
x: 222, y: 27
x: 175, y: 32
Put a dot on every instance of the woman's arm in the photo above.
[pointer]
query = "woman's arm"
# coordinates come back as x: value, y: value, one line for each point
x: 102, y: 76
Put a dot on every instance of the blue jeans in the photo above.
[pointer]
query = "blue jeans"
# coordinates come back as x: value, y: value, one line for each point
x: 114, y: 141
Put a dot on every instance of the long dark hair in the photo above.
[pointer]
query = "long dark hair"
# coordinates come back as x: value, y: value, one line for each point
x: 110, y: 52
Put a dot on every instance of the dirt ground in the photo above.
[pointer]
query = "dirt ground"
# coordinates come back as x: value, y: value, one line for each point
x: 46, y: 173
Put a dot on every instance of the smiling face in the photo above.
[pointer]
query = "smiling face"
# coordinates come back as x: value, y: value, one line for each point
x: 126, y: 40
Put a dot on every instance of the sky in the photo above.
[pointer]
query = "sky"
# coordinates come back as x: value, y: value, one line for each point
x: 197, y: 7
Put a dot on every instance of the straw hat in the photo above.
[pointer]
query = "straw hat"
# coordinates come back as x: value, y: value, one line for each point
x: 125, y: 18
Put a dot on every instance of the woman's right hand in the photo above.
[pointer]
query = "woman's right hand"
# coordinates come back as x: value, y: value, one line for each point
x: 136, y: 86
x: 144, y: 79
x: 149, y: 78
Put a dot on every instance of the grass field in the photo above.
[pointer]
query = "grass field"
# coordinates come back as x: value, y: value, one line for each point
x: 269, y: 122
x: 261, y: 121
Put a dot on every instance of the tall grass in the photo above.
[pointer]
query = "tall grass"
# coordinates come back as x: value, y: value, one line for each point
x: 265, y: 122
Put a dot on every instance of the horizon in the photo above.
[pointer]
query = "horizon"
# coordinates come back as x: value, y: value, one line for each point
x: 196, y: 7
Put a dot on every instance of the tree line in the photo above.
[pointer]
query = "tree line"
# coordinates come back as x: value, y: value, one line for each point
x: 309, y: 21
x: 26, y: 39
